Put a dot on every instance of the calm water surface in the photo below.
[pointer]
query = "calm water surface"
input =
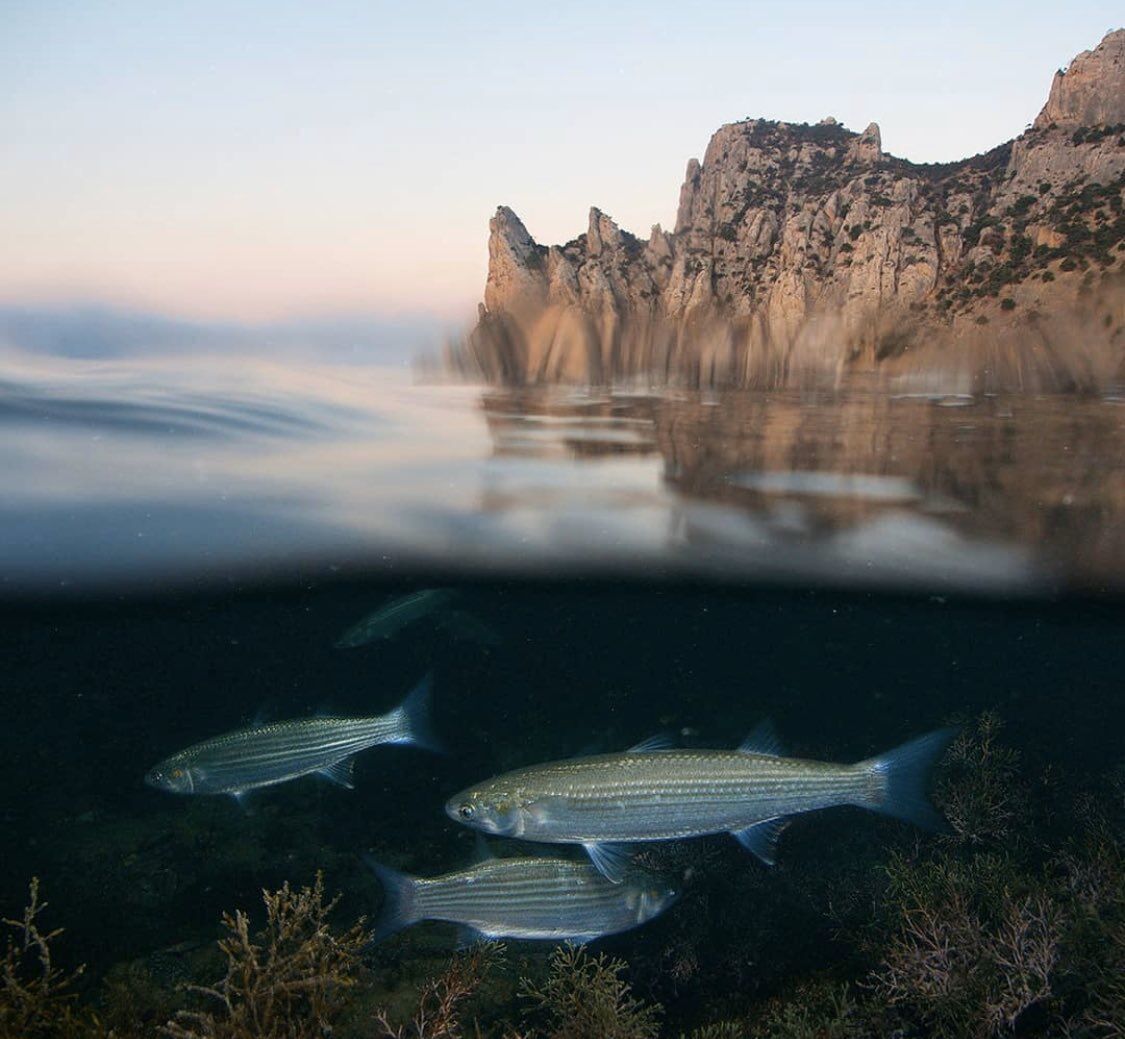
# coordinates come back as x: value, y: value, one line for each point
x: 175, y: 470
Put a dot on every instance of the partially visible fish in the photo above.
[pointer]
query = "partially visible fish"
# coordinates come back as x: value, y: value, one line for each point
x: 652, y: 793
x: 547, y: 899
x: 262, y: 755
x: 387, y: 621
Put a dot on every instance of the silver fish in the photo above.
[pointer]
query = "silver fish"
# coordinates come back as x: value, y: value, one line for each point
x: 387, y: 621
x: 651, y: 793
x: 534, y: 898
x: 262, y: 755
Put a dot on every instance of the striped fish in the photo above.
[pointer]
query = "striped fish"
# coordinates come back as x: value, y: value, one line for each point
x: 533, y: 898
x: 262, y: 755
x: 651, y: 793
x: 389, y: 620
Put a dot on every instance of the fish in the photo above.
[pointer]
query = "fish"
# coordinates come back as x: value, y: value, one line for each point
x: 544, y: 899
x: 262, y: 755
x: 654, y: 792
x: 387, y: 621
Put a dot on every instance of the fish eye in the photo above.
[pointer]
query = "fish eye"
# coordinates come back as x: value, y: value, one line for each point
x: 466, y: 811
x: 176, y: 773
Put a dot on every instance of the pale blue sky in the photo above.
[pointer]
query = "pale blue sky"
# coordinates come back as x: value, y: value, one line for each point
x: 264, y: 159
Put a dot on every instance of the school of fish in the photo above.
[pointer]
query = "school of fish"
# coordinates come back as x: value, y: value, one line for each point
x: 606, y: 803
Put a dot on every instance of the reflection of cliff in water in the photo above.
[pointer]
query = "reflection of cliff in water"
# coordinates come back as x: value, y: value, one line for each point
x: 841, y: 485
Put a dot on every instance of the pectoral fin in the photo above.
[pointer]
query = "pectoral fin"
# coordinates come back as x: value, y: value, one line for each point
x: 610, y: 860
x: 341, y: 773
x: 481, y: 851
x: 761, y: 838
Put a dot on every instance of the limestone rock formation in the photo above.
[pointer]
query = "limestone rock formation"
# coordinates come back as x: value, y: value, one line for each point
x: 803, y: 248
x: 1091, y: 90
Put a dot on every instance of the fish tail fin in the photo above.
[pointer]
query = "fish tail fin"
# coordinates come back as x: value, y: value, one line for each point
x: 397, y: 910
x: 901, y: 779
x: 412, y: 718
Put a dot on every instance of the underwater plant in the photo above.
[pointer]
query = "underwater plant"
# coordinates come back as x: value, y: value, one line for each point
x: 720, y: 1030
x: 287, y: 982
x: 585, y: 997
x: 1104, y: 1015
x: 1092, y: 872
x: 36, y: 997
x: 442, y: 998
x: 979, y: 792
x: 135, y: 998
x: 820, y: 1009
x: 974, y: 945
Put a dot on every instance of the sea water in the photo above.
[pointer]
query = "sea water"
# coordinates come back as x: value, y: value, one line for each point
x: 181, y: 545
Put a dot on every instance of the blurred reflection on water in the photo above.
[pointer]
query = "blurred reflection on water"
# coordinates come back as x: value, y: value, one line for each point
x: 861, y: 485
x: 191, y: 470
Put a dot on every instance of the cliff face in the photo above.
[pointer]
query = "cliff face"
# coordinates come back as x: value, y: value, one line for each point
x: 800, y: 248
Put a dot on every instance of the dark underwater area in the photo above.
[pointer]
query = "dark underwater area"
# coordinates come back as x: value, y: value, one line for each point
x: 1010, y: 923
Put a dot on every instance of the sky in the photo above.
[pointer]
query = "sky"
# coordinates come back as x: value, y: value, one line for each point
x: 260, y: 161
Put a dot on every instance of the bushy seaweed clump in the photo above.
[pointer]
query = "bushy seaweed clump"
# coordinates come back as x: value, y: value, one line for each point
x: 442, y: 998
x: 585, y: 997
x: 980, y: 792
x: 820, y: 1009
x: 970, y: 946
x: 289, y: 981
x: 999, y: 929
x: 37, y: 999
x: 1092, y: 873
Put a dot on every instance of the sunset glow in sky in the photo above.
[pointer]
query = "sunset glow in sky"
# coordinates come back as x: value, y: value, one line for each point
x: 259, y: 160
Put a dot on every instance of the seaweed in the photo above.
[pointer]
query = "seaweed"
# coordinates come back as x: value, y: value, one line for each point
x: 585, y: 997
x: 37, y: 998
x: 720, y: 1030
x: 970, y: 952
x: 979, y: 793
x: 821, y: 1009
x: 286, y: 982
x: 442, y: 998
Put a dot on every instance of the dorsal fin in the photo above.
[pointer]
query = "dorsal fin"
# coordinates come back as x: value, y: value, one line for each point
x: 264, y: 715
x: 763, y: 740
x: 661, y: 741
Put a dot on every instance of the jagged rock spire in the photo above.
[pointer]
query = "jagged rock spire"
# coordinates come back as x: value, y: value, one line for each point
x: 515, y: 276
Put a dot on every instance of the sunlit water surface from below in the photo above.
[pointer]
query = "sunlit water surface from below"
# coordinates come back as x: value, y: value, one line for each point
x: 134, y: 472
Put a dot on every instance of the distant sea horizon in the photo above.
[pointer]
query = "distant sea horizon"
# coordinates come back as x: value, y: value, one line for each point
x: 87, y: 330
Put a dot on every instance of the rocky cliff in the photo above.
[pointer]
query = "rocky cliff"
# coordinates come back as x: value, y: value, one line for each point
x: 803, y: 248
